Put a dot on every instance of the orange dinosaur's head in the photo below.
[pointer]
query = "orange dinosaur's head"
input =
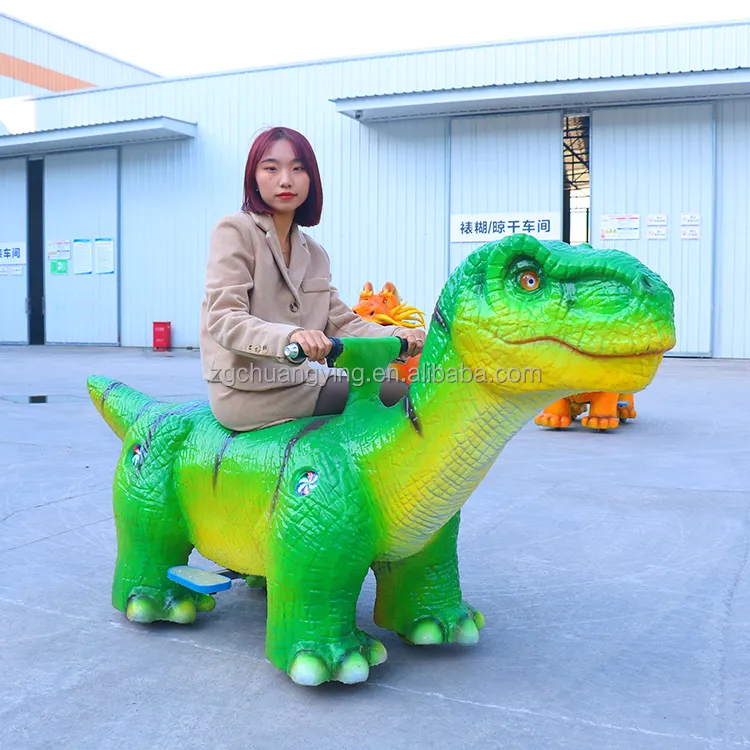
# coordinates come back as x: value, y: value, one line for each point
x: 386, y: 308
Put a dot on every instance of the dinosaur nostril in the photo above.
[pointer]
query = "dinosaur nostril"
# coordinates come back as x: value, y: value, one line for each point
x: 646, y: 283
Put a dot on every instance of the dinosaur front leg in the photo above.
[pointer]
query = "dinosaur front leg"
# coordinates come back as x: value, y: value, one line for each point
x: 419, y: 597
x: 318, y: 561
x: 557, y: 415
x: 602, y: 412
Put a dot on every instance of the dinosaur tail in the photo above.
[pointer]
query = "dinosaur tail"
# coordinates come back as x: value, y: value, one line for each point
x: 118, y: 404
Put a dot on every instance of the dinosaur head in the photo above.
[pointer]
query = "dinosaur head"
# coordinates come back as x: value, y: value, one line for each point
x: 562, y: 318
x: 386, y: 308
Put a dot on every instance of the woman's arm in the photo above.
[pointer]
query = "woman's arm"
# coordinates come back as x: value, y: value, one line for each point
x: 228, y: 285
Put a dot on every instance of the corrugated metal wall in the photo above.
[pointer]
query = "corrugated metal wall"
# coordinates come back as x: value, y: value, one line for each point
x: 505, y: 163
x: 732, y: 286
x: 384, y: 187
x: 80, y: 202
x: 659, y: 160
x: 650, y: 52
x: 724, y: 46
x: 25, y: 43
x: 13, y: 326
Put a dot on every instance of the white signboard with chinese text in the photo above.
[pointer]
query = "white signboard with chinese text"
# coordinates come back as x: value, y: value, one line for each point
x: 105, y: 255
x: 82, y: 256
x: 690, y: 220
x: 690, y: 233
x: 657, y: 233
x: 12, y: 253
x: 58, y: 250
x: 496, y: 226
x: 657, y: 220
x: 620, y: 227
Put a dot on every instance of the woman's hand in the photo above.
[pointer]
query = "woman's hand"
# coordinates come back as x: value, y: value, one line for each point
x: 315, y: 344
x: 415, y: 340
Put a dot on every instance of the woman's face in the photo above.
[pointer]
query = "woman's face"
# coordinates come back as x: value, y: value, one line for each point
x: 282, y: 178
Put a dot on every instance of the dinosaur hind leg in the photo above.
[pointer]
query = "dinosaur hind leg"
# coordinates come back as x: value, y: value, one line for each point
x: 151, y: 537
x: 420, y: 597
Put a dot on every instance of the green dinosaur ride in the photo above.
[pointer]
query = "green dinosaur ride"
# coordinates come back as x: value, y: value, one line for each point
x: 312, y: 505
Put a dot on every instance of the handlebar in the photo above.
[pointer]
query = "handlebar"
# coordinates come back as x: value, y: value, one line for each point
x: 295, y: 354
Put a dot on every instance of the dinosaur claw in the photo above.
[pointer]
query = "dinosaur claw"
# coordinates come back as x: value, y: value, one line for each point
x: 142, y: 608
x: 467, y: 632
x: 478, y: 618
x: 353, y: 669
x: 378, y: 654
x: 205, y: 603
x: 308, y: 669
x: 426, y: 632
x: 181, y: 612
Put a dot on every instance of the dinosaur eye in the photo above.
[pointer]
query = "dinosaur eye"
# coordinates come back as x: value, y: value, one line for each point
x: 529, y: 280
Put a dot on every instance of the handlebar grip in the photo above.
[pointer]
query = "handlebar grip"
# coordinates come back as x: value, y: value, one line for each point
x: 337, y: 349
x: 296, y: 355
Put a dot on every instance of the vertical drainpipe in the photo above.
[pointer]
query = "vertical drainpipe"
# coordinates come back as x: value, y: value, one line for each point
x: 715, y: 310
x: 118, y: 246
x: 448, y: 127
x: 564, y: 204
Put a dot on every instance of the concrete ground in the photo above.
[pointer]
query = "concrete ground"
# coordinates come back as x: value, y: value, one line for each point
x: 612, y: 570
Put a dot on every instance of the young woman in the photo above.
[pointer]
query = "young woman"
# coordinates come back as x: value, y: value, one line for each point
x: 267, y: 285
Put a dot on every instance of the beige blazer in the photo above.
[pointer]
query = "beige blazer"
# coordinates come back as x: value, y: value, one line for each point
x: 253, y: 304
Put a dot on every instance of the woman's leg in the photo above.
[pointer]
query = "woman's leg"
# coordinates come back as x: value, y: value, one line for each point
x: 335, y: 392
x: 332, y: 398
x: 392, y: 391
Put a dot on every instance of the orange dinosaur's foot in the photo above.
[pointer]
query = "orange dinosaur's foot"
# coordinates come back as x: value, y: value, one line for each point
x: 556, y: 414
x: 600, y: 423
x: 545, y: 419
x: 626, y: 407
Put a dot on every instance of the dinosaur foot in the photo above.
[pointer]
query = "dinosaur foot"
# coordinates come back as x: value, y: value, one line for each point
x: 256, y: 582
x: 460, y: 625
x: 545, y: 419
x: 173, y: 605
x: 600, y: 423
x: 347, y: 660
x: 626, y: 412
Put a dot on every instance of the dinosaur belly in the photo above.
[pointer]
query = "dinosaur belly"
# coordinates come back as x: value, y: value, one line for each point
x: 227, y: 523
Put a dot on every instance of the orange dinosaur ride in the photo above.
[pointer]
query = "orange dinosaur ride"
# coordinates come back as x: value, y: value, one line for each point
x: 386, y: 308
x: 606, y: 411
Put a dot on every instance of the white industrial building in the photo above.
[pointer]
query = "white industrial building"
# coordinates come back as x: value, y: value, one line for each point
x: 109, y: 190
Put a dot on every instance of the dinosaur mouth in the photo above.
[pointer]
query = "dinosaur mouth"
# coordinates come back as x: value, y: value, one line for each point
x: 583, y: 353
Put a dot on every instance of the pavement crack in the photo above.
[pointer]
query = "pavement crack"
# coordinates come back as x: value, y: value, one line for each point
x: 52, y: 536
x: 548, y: 715
x: 50, y: 502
